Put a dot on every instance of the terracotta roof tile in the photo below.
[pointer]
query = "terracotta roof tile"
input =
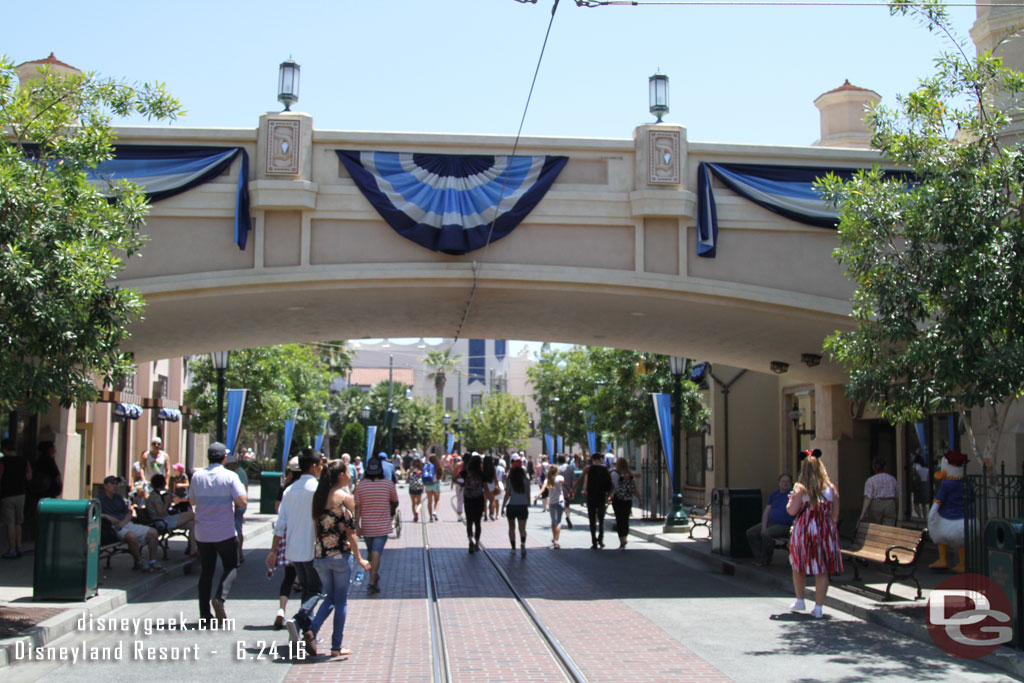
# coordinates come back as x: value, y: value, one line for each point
x: 367, y: 377
x: 52, y: 59
x: 847, y: 86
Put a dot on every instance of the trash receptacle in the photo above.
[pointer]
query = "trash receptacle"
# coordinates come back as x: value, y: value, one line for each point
x: 733, y: 511
x: 1003, y: 548
x: 270, y: 486
x: 67, y: 550
x: 581, y: 495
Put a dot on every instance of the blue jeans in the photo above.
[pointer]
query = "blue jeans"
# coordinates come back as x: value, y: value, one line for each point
x: 335, y: 573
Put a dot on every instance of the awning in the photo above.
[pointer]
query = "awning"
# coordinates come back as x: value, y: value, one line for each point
x: 128, y: 411
x: 169, y: 415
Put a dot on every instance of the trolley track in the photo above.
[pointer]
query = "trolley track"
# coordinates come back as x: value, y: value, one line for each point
x: 442, y: 670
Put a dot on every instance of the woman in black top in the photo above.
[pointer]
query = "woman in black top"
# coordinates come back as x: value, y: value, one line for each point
x: 474, y: 500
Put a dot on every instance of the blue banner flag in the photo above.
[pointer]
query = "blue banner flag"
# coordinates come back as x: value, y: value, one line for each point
x: 663, y: 412
x: 320, y: 436
x: 559, y: 442
x: 550, y: 441
x: 592, y: 441
x: 289, y: 429
x: 451, y: 441
x: 371, y: 438
x: 236, y: 405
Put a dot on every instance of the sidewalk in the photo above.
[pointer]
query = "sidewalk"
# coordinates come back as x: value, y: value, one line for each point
x: 864, y: 599
x: 38, y: 623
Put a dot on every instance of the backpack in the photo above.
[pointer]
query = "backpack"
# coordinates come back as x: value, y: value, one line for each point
x: 428, y: 473
x: 415, y: 482
x: 624, y: 489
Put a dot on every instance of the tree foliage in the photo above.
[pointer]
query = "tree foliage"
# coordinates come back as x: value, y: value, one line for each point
x: 287, y: 381
x: 61, y: 243
x: 608, y: 391
x: 500, y: 423
x: 938, y: 258
x: 441, y: 363
x: 418, y: 423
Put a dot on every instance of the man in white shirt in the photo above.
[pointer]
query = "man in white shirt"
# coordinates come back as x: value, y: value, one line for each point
x: 295, y: 518
x: 215, y: 492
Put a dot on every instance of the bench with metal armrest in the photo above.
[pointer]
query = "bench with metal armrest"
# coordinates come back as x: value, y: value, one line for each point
x: 892, y: 549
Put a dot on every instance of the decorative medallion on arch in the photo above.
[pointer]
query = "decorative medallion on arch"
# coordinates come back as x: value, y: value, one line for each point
x: 664, y: 157
x: 282, y: 147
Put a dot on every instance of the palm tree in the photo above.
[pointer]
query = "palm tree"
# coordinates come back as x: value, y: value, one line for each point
x: 441, y: 362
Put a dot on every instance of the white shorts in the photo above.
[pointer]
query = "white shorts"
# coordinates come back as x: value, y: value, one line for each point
x: 140, y: 531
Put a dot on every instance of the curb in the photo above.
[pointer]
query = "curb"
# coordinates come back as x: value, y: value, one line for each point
x: 106, y: 601
x: 1005, y: 659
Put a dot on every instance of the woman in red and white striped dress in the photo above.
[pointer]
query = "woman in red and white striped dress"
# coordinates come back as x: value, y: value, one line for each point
x: 814, y: 540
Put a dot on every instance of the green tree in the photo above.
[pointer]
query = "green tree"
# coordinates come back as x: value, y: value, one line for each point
x: 286, y: 381
x: 441, y: 363
x: 938, y: 259
x: 352, y: 440
x: 607, y: 391
x: 61, y: 242
x: 417, y: 425
x: 501, y: 422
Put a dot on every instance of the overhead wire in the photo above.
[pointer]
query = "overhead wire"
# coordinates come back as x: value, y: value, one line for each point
x: 508, y: 170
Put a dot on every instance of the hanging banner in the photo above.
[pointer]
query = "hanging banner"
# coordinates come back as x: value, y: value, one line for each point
x: 289, y: 429
x: 451, y: 442
x: 477, y: 361
x: 236, y: 406
x: 558, y: 441
x: 951, y: 432
x: 550, y: 441
x: 320, y: 436
x: 786, y: 190
x: 371, y: 438
x: 663, y: 412
x: 592, y: 442
x: 500, y: 348
x: 453, y: 203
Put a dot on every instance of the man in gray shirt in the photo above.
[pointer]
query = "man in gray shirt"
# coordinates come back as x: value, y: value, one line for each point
x: 215, y: 493
x: 568, y: 472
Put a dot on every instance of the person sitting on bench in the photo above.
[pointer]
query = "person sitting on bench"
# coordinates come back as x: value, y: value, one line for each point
x: 115, y: 511
x: 775, y: 523
x: 159, y: 506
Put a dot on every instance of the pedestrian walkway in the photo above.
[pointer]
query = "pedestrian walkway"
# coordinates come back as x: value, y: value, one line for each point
x: 643, y: 614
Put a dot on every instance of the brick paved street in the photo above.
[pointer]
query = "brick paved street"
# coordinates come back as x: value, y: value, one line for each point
x: 645, y: 614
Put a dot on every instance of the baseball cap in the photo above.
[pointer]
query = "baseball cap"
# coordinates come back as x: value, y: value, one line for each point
x: 178, y: 467
x: 111, y: 480
x: 516, y: 457
x: 293, y: 463
x: 382, y: 454
x: 217, y: 449
x: 156, y: 439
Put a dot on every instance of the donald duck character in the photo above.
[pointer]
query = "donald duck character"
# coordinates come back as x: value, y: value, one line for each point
x: 946, y: 517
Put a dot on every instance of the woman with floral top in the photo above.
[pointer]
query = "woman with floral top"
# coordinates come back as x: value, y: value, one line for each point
x: 416, y: 487
x: 336, y: 546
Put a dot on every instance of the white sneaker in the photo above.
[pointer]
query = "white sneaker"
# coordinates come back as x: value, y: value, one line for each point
x: 461, y: 519
x: 293, y: 630
x: 816, y: 612
x: 798, y: 606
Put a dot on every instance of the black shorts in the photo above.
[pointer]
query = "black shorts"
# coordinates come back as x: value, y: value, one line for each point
x: 517, y: 511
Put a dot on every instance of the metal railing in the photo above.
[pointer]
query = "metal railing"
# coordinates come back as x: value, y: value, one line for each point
x: 988, y: 496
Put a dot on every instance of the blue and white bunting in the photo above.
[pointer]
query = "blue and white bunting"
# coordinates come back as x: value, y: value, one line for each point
x: 449, y: 202
x: 785, y: 190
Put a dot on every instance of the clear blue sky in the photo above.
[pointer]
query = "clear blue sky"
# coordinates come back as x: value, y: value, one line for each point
x: 738, y: 74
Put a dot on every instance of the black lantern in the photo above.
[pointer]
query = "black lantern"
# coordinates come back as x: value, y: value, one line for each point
x: 659, y: 95
x: 288, y: 84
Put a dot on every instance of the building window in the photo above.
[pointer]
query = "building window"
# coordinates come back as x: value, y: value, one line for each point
x: 475, y: 400
x: 449, y: 404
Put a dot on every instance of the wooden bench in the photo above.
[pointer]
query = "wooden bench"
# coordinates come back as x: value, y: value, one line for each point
x: 700, y: 518
x: 893, y: 549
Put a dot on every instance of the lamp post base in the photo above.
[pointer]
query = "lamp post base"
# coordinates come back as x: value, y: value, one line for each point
x: 677, y: 519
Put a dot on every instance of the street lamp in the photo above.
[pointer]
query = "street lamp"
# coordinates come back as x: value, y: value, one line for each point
x: 658, y: 95
x: 288, y: 84
x: 220, y: 364
x: 365, y: 413
x: 677, y: 517
x: 445, y: 420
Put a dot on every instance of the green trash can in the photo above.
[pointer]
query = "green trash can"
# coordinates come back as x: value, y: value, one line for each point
x: 581, y: 495
x: 1003, y: 548
x: 270, y: 486
x: 67, y: 555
